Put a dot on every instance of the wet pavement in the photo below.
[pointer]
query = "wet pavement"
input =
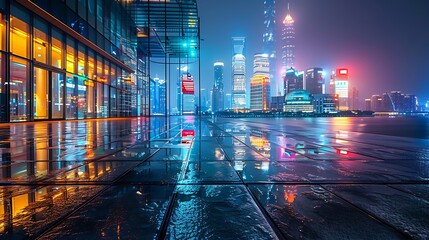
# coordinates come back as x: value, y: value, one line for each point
x: 185, y: 178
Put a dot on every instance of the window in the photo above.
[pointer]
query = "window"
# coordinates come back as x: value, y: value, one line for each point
x: 40, y: 41
x: 2, y: 33
x: 41, y: 93
x: 19, y: 37
x: 70, y: 56
x: 57, y: 49
x: 19, y: 96
x: 91, y: 65
x: 81, y: 60
x: 3, y: 93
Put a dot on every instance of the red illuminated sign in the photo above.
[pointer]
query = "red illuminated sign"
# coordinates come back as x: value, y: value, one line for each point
x: 343, y: 73
x: 188, y: 87
x: 188, y: 133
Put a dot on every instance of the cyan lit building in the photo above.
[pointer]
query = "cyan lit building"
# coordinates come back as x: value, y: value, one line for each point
x: 238, y: 74
x: 325, y: 103
x: 218, y: 93
x: 293, y: 81
x: 299, y: 101
x: 85, y: 59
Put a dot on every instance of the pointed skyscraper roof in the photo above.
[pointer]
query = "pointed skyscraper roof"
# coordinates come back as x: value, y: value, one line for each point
x: 288, y: 19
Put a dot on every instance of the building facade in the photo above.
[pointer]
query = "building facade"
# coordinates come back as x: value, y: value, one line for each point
x: 259, y: 93
x: 293, y: 81
x: 218, y: 93
x: 299, y: 101
x: 64, y: 60
x: 325, y: 103
x: 238, y: 74
x: 314, y: 80
x: 341, y: 84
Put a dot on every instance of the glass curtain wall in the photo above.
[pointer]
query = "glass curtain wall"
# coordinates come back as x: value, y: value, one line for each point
x: 53, y: 76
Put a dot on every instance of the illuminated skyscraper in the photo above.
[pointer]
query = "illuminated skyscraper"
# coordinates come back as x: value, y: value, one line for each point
x: 293, y: 81
x: 341, y: 83
x: 260, y: 90
x: 269, y: 39
x: 288, y: 41
x: 218, y: 94
x: 238, y: 74
x: 314, y: 81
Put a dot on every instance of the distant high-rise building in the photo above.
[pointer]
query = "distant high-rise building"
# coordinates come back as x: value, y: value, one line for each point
x: 158, y: 96
x: 354, y: 99
x: 368, y: 104
x: 288, y: 41
x: 376, y: 103
x: 341, y: 82
x: 387, y: 104
x: 238, y: 74
x: 269, y: 39
x: 314, y: 81
x: 188, y: 94
x: 260, y: 89
x: 410, y: 103
x: 218, y: 94
x: 293, y: 81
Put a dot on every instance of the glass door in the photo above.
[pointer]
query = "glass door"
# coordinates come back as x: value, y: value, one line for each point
x: 41, y: 94
x: 57, y: 99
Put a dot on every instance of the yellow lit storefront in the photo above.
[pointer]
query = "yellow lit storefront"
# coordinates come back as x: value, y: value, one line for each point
x: 50, y: 71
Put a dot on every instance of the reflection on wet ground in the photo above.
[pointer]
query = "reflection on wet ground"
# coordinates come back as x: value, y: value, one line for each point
x: 185, y: 178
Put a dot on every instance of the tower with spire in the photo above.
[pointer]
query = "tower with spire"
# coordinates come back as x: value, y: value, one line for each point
x: 288, y: 42
x: 269, y: 38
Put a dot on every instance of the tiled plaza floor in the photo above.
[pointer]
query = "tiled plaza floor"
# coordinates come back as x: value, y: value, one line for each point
x: 184, y: 178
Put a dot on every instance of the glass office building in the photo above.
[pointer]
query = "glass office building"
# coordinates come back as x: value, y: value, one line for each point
x: 76, y: 59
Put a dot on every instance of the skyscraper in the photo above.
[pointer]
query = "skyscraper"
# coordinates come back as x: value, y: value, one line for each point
x: 218, y: 94
x: 341, y: 83
x: 314, y: 81
x: 293, y: 81
x: 288, y: 41
x: 269, y: 42
x: 238, y: 74
x: 260, y: 90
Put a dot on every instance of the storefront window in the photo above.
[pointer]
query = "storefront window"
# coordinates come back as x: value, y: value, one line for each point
x: 19, y: 37
x: 70, y: 56
x: 71, y: 97
x: 91, y: 65
x: 40, y: 41
x: 100, y: 100
x: 2, y: 33
x: 82, y: 109
x: 81, y: 61
x: 99, y: 67
x: 105, y: 109
x: 41, y: 93
x: 57, y: 49
x: 3, y: 93
x: 19, y: 97
x: 113, y: 75
x: 57, y: 95
x: 90, y: 98
x: 112, y: 106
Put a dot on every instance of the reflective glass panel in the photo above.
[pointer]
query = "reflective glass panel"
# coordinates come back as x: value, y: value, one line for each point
x: 41, y: 93
x: 19, y: 96
x: 57, y: 95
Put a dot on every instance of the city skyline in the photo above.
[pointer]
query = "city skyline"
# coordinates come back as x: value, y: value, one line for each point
x: 368, y: 47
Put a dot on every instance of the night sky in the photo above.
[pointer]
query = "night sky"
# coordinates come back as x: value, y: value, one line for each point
x: 384, y: 43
